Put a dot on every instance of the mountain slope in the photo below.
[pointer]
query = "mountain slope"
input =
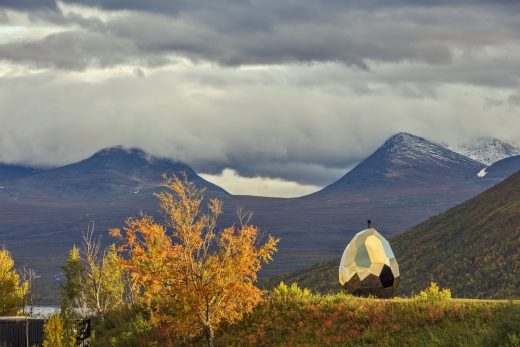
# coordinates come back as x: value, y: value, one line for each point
x: 10, y: 173
x: 499, y: 170
x: 486, y: 150
x: 472, y: 248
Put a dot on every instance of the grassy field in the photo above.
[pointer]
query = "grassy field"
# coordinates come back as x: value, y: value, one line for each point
x: 291, y: 316
x: 299, y: 318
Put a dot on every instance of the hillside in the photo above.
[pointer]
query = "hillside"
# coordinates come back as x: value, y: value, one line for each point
x: 9, y: 173
x: 472, y: 248
x: 500, y: 170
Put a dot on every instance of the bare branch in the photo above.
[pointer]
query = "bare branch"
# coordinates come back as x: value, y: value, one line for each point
x: 244, y: 217
x: 29, y: 277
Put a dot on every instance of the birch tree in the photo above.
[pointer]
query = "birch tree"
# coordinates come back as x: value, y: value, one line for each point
x: 193, y: 276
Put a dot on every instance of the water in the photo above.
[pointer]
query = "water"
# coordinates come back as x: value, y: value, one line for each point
x: 44, y: 311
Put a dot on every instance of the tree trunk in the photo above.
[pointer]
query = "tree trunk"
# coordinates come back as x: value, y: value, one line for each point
x: 208, y: 334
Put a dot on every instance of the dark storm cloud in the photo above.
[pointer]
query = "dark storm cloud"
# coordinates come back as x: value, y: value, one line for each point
x: 284, y: 7
x: 174, y: 7
x: 29, y: 4
x: 69, y: 50
x: 237, y: 33
x: 77, y: 50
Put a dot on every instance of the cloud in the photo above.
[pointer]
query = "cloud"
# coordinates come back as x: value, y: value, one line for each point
x: 258, y: 122
x: 514, y: 99
x: 259, y: 186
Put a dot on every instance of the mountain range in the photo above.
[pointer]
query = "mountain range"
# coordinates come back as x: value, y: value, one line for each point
x: 405, y: 181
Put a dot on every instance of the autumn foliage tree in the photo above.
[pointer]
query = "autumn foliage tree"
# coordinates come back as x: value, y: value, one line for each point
x: 192, y: 276
x: 12, y: 290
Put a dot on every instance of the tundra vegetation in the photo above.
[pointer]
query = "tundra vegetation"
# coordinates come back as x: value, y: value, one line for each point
x: 183, y: 282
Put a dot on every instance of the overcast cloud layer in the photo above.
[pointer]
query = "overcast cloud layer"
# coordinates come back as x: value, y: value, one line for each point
x: 296, y: 91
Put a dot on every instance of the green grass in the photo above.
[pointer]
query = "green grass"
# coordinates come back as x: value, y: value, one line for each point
x: 341, y: 320
x: 291, y: 316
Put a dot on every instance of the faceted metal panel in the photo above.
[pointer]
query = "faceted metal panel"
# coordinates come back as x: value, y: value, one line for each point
x: 362, y: 257
x: 354, y: 284
x: 368, y: 266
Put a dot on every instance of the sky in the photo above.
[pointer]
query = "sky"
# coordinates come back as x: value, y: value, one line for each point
x: 262, y: 97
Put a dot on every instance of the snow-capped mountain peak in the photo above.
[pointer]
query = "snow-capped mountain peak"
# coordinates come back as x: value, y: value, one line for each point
x: 408, y: 146
x: 406, y: 160
x: 486, y: 150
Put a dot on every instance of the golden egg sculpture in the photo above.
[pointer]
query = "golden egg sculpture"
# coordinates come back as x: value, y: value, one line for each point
x: 368, y: 266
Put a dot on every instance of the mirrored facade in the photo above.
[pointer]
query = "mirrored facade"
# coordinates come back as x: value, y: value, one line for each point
x: 368, y: 266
